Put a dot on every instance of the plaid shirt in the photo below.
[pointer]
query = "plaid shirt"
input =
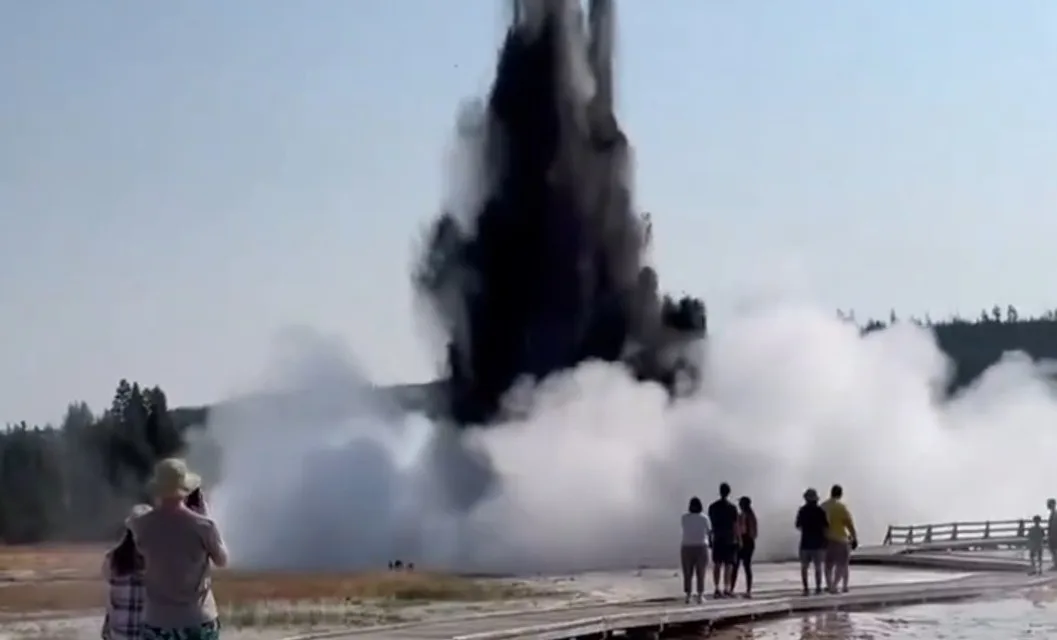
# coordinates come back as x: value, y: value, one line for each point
x: 124, y: 607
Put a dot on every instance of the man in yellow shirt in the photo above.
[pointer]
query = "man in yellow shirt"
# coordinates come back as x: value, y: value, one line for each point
x: 840, y: 540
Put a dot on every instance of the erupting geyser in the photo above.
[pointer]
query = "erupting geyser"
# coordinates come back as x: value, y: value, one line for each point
x: 547, y: 269
x: 544, y: 269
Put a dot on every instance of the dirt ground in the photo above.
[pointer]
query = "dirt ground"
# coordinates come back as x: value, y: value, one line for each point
x: 50, y: 580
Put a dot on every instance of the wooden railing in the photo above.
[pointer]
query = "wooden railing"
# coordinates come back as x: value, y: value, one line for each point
x: 989, y: 532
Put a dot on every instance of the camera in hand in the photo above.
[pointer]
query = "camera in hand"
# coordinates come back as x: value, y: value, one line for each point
x: 194, y: 500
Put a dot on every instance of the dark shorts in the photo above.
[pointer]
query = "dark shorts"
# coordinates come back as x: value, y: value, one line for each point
x: 724, y: 552
x: 812, y: 556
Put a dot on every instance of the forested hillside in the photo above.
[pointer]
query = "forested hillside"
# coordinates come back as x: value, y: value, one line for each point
x: 76, y: 480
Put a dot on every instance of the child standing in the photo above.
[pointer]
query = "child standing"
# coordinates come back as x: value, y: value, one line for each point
x: 1036, y: 538
x: 123, y: 571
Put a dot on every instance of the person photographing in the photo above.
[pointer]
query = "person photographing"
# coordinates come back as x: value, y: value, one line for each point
x: 180, y: 544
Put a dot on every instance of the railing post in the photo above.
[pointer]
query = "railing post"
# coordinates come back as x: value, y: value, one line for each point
x: 928, y: 534
x: 954, y: 531
x: 888, y: 536
x: 910, y: 535
x: 987, y: 530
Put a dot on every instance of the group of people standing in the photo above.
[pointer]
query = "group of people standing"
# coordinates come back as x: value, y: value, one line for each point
x: 1039, y: 536
x: 727, y: 533
x: 159, y: 575
x: 827, y: 538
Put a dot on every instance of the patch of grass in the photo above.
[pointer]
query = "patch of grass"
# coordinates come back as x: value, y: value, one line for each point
x: 67, y: 578
x: 256, y: 615
x: 240, y: 587
x: 49, y: 562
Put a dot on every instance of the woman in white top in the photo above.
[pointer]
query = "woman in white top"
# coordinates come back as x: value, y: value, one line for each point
x: 694, y: 551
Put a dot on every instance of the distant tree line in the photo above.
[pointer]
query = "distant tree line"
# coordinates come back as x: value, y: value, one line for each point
x: 975, y: 344
x: 76, y: 480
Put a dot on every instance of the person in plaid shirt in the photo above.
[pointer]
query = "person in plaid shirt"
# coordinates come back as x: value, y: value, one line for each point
x: 123, y: 571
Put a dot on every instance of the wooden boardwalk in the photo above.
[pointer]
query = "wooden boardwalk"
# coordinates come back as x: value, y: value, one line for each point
x: 651, y: 617
x: 952, y: 561
x: 981, y: 534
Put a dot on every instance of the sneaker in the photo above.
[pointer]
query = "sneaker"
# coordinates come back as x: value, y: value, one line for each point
x: 748, y: 594
x: 844, y: 589
x: 698, y: 598
x: 717, y: 595
x: 818, y: 591
x: 806, y: 593
x: 687, y: 599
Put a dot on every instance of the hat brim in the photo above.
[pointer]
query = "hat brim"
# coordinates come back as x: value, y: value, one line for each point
x: 190, y: 482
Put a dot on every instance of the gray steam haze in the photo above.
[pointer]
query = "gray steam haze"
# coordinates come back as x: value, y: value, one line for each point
x: 326, y: 477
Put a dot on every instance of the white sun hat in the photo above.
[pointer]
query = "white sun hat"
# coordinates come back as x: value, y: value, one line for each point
x: 172, y: 479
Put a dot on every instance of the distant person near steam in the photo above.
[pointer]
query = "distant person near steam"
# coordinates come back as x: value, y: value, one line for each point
x: 123, y: 571
x: 1036, y: 540
x: 812, y: 523
x: 1051, y: 530
x: 724, y: 517
x: 179, y: 543
x: 747, y: 530
x: 841, y: 540
x: 693, y: 553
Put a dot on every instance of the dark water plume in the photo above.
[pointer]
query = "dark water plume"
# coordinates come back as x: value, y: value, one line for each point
x: 548, y: 270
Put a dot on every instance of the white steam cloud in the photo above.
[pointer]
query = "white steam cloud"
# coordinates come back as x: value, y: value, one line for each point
x: 319, y: 473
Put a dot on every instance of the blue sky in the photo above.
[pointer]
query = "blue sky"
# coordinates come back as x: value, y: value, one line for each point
x: 179, y: 181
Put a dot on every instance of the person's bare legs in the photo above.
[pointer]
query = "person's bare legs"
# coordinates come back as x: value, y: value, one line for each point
x: 831, y: 568
x: 805, y: 561
x: 843, y: 567
x: 717, y: 574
